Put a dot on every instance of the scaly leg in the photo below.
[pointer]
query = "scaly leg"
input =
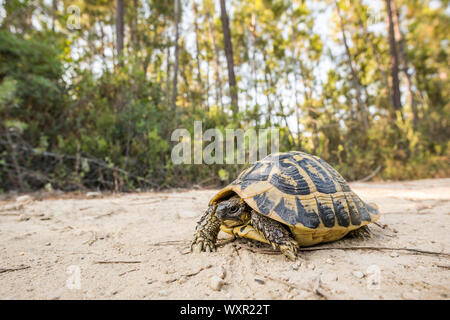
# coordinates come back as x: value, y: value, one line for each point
x: 206, y: 232
x: 362, y: 233
x: 276, y: 234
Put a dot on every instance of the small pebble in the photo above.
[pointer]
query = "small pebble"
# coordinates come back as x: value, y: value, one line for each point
x: 23, y: 198
x: 284, y: 278
x: 311, y: 266
x: 216, y: 283
x: 219, y: 271
x: 163, y: 293
x: 374, y: 282
x: 260, y: 281
x: 24, y: 217
x: 296, y: 265
x: 93, y: 194
x: 330, y: 261
x: 182, y: 280
x: 48, y: 244
x: 186, y: 251
x: 358, y: 274
x: 329, y: 277
x: 394, y: 254
x: 222, y: 272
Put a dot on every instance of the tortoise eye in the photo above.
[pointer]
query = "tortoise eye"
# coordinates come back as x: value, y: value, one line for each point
x: 234, y: 209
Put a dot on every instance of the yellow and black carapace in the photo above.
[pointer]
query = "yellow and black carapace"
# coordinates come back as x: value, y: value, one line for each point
x: 288, y: 200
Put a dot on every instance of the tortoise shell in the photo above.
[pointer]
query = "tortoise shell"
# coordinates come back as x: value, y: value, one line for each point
x: 304, y: 193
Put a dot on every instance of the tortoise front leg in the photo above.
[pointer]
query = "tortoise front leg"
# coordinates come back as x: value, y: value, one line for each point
x: 362, y: 233
x: 276, y: 234
x: 206, y: 232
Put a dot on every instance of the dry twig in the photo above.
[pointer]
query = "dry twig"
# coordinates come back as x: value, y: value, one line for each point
x: 317, y: 290
x: 3, y: 270
x: 106, y: 214
x: 168, y: 242
x: 92, y: 239
x: 413, y: 250
x: 147, y: 202
x: 124, y: 273
x: 416, y: 251
x: 12, y: 207
x: 5, y: 214
x: 114, y: 262
x: 370, y: 176
x: 197, y: 272
x: 277, y: 280
x: 263, y: 251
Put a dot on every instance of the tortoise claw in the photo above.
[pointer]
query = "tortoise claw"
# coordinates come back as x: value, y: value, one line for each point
x: 289, y: 249
x: 290, y: 255
x: 200, y: 244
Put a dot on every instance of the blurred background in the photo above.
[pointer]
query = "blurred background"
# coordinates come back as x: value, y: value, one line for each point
x: 91, y: 91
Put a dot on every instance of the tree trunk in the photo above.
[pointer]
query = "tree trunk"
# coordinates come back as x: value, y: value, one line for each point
x: 197, y: 48
x: 168, y: 97
x: 396, y: 102
x: 294, y: 48
x: 103, y: 44
x: 404, y: 61
x: 168, y: 65
x: 297, y: 114
x: 268, y: 86
x: 308, y: 95
x: 356, y: 83
x: 175, y: 68
x: 216, y: 65
x: 229, y: 56
x: 368, y: 37
x: 133, y: 27
x: 253, y: 31
x: 119, y: 29
x: 54, y: 9
x: 207, y: 86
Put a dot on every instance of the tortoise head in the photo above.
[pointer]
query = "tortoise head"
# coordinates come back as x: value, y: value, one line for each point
x: 233, y: 212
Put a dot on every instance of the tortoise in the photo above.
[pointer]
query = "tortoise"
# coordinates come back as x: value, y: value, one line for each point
x: 288, y: 200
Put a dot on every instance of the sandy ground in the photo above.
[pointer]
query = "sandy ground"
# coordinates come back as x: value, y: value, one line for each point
x: 133, y: 246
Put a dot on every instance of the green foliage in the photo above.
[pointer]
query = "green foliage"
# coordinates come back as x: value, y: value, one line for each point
x: 73, y: 117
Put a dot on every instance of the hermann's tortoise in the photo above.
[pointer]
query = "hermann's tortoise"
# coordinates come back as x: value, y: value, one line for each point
x: 288, y: 200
